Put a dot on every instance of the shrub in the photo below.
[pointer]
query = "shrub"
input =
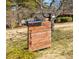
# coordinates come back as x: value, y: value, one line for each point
x: 63, y: 19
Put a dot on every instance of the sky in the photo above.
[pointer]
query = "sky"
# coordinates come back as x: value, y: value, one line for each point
x: 57, y: 2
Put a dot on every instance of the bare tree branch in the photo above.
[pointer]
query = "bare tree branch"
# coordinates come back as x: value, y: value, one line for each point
x: 59, y: 10
x: 52, y: 2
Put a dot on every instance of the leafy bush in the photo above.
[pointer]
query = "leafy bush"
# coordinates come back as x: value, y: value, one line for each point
x: 63, y: 19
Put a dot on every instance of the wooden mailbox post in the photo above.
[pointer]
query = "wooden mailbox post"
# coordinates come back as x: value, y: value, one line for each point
x: 39, y: 36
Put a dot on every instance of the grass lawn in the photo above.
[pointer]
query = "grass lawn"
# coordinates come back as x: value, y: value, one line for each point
x: 61, y: 47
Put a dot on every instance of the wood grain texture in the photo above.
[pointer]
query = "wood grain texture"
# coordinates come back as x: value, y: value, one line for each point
x: 40, y: 36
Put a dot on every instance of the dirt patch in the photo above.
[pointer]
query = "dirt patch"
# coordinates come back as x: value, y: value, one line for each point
x: 20, y: 32
x: 64, y: 26
x: 16, y: 33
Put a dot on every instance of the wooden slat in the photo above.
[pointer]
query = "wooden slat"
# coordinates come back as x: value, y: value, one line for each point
x: 40, y: 36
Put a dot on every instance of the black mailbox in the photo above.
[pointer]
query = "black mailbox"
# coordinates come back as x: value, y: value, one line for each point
x: 34, y: 22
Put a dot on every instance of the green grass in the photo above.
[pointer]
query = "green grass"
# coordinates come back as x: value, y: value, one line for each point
x: 17, y: 48
x: 61, y: 35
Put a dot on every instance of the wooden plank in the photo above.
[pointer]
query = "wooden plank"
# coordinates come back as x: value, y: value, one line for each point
x: 40, y: 36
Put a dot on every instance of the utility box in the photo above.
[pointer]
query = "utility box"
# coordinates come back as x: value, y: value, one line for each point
x: 39, y: 35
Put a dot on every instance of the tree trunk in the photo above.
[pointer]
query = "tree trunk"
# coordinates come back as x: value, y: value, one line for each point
x: 52, y: 25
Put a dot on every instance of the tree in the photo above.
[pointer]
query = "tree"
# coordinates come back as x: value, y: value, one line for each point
x: 28, y: 7
x: 50, y: 8
x: 25, y: 8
